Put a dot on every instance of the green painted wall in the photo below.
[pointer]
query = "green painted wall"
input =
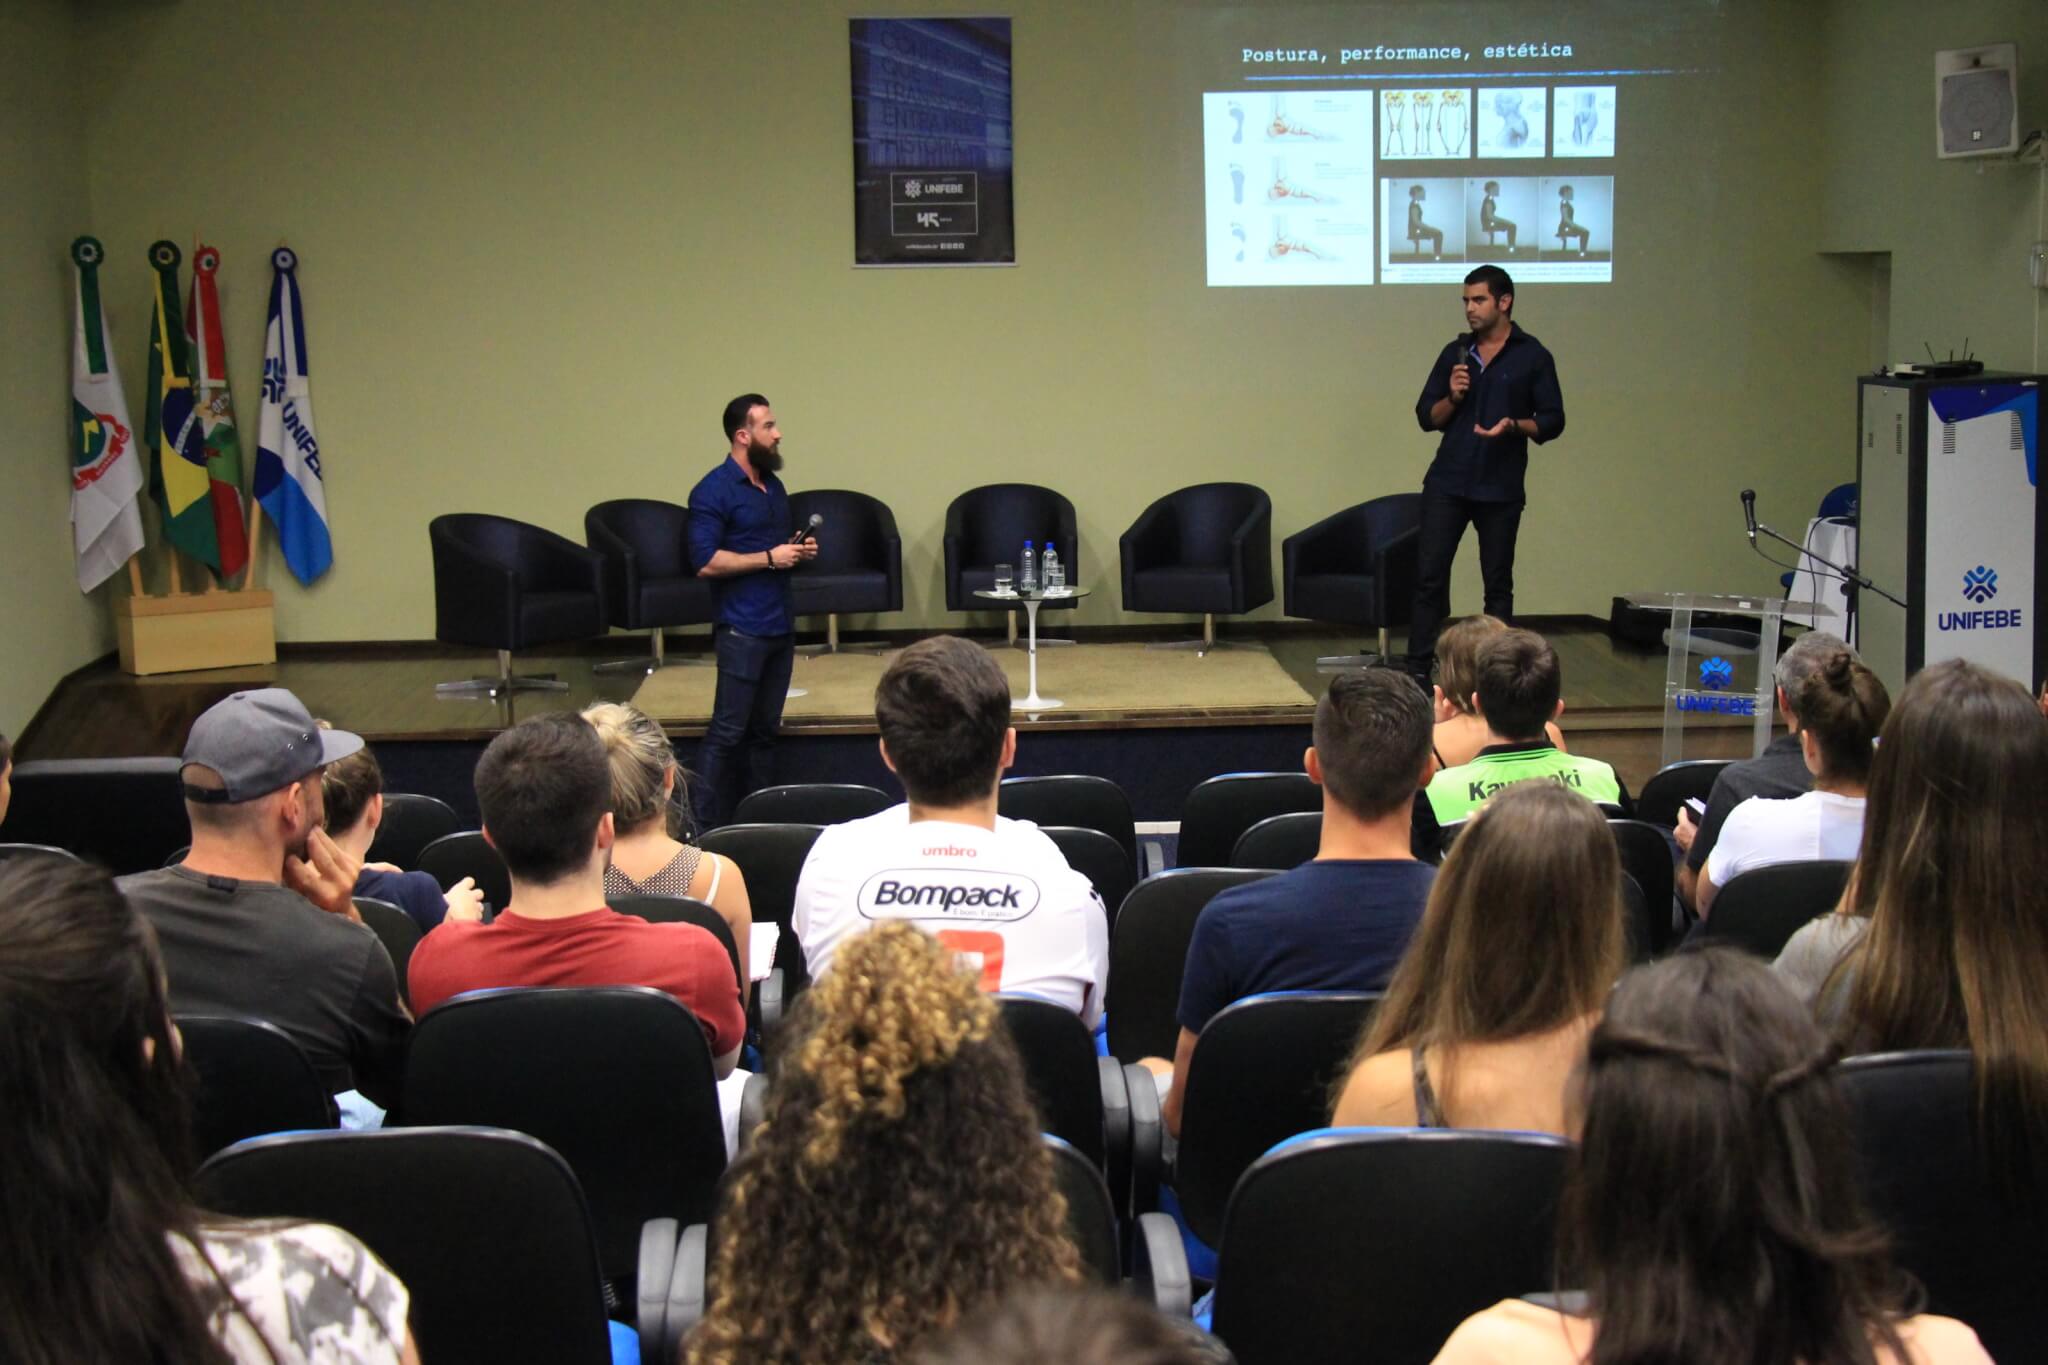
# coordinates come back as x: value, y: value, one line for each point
x: 544, y: 243
x: 48, y: 626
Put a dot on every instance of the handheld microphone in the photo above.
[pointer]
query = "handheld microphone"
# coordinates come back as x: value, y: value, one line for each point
x: 817, y: 520
x: 1749, y: 513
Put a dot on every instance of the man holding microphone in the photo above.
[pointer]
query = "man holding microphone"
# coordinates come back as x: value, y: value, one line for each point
x: 1492, y: 391
x: 741, y: 539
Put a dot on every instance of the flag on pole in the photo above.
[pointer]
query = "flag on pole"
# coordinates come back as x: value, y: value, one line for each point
x: 289, y: 480
x: 171, y: 427
x: 106, y: 471
x: 216, y: 413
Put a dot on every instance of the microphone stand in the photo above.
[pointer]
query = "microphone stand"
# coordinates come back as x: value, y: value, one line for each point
x: 1853, y: 582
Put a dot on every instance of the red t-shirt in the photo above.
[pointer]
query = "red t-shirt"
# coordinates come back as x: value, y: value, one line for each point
x: 600, y: 948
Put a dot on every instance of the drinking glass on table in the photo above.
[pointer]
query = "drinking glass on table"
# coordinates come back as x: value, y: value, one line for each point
x: 1005, y: 573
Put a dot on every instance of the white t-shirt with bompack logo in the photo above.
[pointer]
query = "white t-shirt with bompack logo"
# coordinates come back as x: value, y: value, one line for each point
x: 1004, y: 899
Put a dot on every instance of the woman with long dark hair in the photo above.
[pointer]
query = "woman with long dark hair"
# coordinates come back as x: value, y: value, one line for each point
x: 1521, y: 940
x: 1712, y: 1214
x: 103, y: 1254
x: 898, y: 1180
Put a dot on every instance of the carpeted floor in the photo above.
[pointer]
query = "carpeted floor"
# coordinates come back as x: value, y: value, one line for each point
x: 1127, y: 678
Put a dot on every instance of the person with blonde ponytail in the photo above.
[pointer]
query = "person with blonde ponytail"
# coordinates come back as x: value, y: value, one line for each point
x: 898, y: 1182
x: 649, y: 809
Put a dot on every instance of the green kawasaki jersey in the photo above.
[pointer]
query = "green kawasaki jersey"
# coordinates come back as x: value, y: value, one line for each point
x: 1455, y: 793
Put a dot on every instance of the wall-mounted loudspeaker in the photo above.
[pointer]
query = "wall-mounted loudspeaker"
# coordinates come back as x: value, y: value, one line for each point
x: 1976, y: 104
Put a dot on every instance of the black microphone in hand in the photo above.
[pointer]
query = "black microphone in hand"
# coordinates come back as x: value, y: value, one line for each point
x: 817, y: 520
x: 1749, y: 513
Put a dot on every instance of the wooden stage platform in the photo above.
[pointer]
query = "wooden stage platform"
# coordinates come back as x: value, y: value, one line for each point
x: 1613, y: 711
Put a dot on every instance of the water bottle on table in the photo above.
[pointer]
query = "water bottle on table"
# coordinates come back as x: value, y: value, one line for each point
x: 1028, y: 570
x: 1055, y: 572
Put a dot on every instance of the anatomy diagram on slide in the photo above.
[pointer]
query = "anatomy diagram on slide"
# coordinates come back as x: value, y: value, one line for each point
x: 1584, y: 121
x: 1425, y: 125
x: 1302, y: 214
x: 1512, y: 122
x: 1284, y: 128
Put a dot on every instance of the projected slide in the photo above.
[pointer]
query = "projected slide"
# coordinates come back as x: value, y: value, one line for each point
x: 1288, y: 187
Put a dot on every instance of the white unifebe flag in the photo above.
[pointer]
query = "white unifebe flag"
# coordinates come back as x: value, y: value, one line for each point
x: 289, y: 482
x: 106, y: 472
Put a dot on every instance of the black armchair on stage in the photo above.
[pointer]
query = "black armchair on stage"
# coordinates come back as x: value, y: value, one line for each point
x: 988, y: 526
x: 859, y: 567
x: 1208, y: 549
x: 505, y: 585
x: 647, y: 578
x: 1355, y: 568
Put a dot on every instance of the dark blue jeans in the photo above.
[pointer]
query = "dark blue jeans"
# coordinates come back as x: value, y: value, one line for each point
x: 738, y: 750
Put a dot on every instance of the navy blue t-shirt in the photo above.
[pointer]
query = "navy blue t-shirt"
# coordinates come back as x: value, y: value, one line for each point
x: 1339, y: 925
x: 416, y: 893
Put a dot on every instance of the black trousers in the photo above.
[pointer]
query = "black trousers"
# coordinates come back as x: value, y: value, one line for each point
x: 1444, y: 519
x: 746, y: 715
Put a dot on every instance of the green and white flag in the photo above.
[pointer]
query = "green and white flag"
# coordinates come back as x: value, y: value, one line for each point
x: 106, y: 469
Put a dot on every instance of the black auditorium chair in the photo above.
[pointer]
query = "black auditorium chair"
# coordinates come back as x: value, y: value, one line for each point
x: 648, y: 582
x: 506, y: 585
x: 1762, y: 908
x: 859, y: 568
x: 684, y: 910
x: 11, y: 851
x: 466, y: 853
x: 1148, y: 951
x: 1207, y: 549
x: 70, y: 803
x: 1672, y: 785
x: 1081, y: 1097
x: 1280, y: 841
x: 410, y: 823
x: 1355, y: 568
x: 1263, y: 1072
x: 618, y: 1079
x: 811, y: 803
x: 1649, y: 856
x: 1071, y: 799
x: 1091, y: 1211
x: 1099, y: 858
x: 987, y: 526
x: 1219, y: 810
x: 771, y: 858
x: 1391, y: 1236
x: 487, y: 1230
x: 1976, y: 1243
x: 252, y: 1080
x: 397, y: 931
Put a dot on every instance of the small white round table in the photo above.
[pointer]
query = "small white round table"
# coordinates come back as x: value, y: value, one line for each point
x: 1032, y: 701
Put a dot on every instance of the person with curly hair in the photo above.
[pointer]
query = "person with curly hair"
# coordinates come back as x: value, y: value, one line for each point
x: 897, y: 1181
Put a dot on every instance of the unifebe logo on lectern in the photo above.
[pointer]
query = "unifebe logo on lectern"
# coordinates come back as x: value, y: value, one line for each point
x: 1716, y: 673
x: 1980, y: 584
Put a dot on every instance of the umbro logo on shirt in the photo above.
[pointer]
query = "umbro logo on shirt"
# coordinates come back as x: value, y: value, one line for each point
x: 947, y: 893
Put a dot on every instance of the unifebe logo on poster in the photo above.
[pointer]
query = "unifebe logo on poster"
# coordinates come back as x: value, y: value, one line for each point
x: 950, y: 893
x: 1980, y: 584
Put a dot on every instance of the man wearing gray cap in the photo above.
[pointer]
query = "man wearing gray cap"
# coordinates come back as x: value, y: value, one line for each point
x: 257, y: 920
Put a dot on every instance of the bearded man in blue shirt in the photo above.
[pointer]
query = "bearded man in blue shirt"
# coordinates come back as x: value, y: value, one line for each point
x: 741, y: 539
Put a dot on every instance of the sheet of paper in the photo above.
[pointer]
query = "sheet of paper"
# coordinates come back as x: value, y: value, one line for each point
x: 761, y: 949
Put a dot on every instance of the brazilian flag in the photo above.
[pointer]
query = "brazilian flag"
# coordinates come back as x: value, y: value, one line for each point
x: 172, y: 431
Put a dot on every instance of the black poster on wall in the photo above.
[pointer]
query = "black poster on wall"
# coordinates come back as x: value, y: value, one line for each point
x: 931, y: 142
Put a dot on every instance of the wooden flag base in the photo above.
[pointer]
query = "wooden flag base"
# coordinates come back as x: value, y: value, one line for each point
x: 187, y: 631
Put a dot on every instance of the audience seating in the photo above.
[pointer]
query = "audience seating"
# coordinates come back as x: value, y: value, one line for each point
x: 1648, y: 855
x: 487, y: 1229
x: 10, y: 851
x: 1091, y: 1212
x: 1378, y: 1242
x: 617, y: 1079
x: 467, y: 853
x: 1264, y: 1071
x: 648, y: 582
x: 1979, y: 1248
x: 410, y: 823
x: 1102, y: 860
x: 1762, y: 908
x: 252, y: 1080
x: 66, y: 802
x: 1206, y: 549
x: 685, y: 910
x: 811, y: 803
x: 1148, y: 951
x: 988, y: 526
x: 1219, y: 811
x: 1355, y: 568
x: 1071, y: 799
x: 1280, y: 842
x: 397, y: 931
x: 859, y: 567
x: 771, y: 858
x: 1081, y: 1097
x: 505, y: 585
x: 1673, y: 785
